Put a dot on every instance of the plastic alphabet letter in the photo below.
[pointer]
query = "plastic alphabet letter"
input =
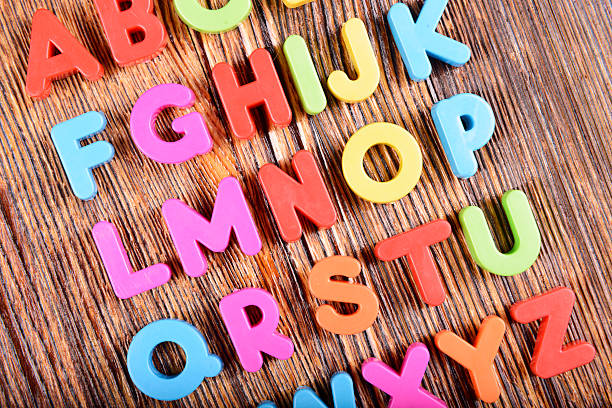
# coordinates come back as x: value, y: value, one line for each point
x: 527, y: 238
x: 304, y: 74
x: 295, y: 3
x: 550, y: 356
x: 459, y: 142
x: 414, y: 244
x: 265, y: 90
x: 120, y: 26
x: 356, y: 40
x: 343, y: 394
x: 78, y: 161
x: 419, y: 41
x: 196, y: 139
x: 250, y: 341
x: 410, y: 167
x: 189, y: 229
x: 209, y: 21
x: 477, y: 359
x: 404, y: 388
x: 323, y: 287
x: 54, y: 54
x: 126, y: 283
x: 286, y: 196
x: 199, y: 362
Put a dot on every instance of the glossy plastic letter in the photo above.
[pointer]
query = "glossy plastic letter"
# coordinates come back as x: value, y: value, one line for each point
x: 120, y: 26
x: 308, y: 195
x: 250, y: 341
x: 355, y: 39
x: 189, y: 229
x: 79, y: 161
x: 199, y: 363
x: 524, y: 229
x: 55, y: 53
x: 465, y: 123
x: 210, y: 21
x: 418, y: 41
x: 406, y: 147
x: 125, y: 281
x: 196, y: 138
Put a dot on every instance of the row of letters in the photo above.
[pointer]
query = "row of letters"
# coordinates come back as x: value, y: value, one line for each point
x: 251, y: 341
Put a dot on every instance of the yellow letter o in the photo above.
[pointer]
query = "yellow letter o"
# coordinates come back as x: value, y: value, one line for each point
x: 410, y: 167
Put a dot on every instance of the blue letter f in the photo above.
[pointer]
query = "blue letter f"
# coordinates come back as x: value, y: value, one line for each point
x: 79, y: 160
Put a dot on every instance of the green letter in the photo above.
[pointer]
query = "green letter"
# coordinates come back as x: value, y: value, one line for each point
x: 524, y: 230
x: 304, y: 75
x: 213, y: 21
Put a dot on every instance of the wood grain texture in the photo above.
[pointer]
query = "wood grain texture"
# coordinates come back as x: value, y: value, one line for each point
x: 545, y: 67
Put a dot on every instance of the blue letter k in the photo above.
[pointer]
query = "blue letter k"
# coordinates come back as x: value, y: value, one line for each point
x: 419, y: 41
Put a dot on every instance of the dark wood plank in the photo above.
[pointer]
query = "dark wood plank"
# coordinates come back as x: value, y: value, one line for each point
x: 543, y: 66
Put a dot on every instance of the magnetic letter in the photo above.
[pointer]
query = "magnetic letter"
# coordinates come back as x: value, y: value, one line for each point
x: 304, y: 74
x: 189, y: 229
x: 54, y: 54
x: 126, y: 283
x: 199, y: 363
x: 343, y: 394
x: 120, y: 26
x: 406, y: 147
x: 286, y: 196
x: 356, y: 40
x: 295, y: 3
x: 525, y: 231
x: 265, y: 90
x: 550, y: 356
x: 465, y: 123
x: 323, y: 287
x: 196, y: 139
x: 477, y: 359
x: 78, y: 161
x: 210, y: 21
x: 249, y: 340
x: 404, y: 388
x: 418, y: 41
x: 414, y: 244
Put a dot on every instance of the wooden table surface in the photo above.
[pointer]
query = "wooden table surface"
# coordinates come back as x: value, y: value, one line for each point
x: 545, y: 68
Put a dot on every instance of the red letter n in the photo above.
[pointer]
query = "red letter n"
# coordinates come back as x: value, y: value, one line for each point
x: 265, y: 90
x: 123, y: 25
x: 54, y: 54
x: 286, y: 196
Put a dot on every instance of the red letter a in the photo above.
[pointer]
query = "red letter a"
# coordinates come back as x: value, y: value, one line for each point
x: 54, y: 54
